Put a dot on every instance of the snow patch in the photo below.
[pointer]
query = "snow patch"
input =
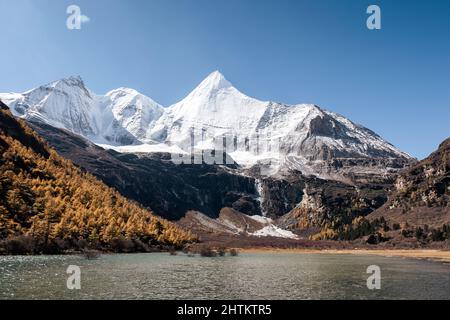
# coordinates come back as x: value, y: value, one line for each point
x: 271, y: 230
x: 274, y: 231
x: 144, y: 148
x: 261, y: 219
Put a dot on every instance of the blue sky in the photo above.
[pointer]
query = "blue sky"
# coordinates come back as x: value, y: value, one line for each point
x: 395, y: 81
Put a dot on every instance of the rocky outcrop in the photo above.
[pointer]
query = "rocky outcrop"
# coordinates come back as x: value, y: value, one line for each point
x: 348, y: 170
x: 420, y: 195
x: 425, y: 184
x: 330, y: 202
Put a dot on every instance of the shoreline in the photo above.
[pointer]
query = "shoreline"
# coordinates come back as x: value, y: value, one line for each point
x: 422, y: 254
x: 435, y: 255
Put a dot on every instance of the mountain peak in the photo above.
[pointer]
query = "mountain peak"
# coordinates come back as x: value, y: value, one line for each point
x: 68, y: 83
x: 72, y: 81
x: 126, y: 96
x: 123, y: 91
x: 215, y: 81
x: 74, y: 84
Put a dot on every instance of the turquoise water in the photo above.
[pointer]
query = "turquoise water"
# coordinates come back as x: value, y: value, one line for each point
x: 247, y: 276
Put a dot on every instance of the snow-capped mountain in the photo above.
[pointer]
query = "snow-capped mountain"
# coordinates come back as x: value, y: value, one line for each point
x: 64, y: 104
x: 303, y: 137
x: 211, y: 111
x: 214, y: 115
x: 121, y: 117
x: 127, y: 116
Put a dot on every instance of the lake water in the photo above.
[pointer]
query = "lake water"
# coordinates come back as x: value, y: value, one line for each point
x: 247, y: 276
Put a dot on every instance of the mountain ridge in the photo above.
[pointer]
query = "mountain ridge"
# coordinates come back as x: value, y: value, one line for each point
x: 301, y: 137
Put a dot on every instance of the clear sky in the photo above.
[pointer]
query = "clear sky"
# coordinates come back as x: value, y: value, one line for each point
x: 395, y: 81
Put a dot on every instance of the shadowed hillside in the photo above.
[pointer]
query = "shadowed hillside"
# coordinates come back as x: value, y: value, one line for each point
x: 154, y: 181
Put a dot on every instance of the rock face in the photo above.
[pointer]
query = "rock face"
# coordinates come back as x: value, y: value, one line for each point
x: 421, y: 193
x: 310, y: 203
x: 425, y: 184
